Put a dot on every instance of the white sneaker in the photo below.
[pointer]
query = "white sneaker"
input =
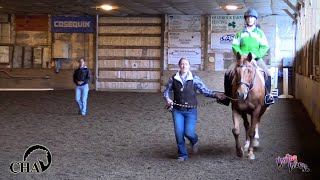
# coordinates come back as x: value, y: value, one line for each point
x: 195, y: 147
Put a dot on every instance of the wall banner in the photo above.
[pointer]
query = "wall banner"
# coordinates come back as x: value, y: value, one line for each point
x: 31, y: 23
x: 226, y: 23
x: 185, y: 39
x: 81, y: 24
x: 184, y: 22
x: 193, y: 54
x: 221, y: 41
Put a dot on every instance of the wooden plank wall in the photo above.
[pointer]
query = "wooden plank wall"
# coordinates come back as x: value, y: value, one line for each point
x: 307, y: 58
x: 79, y: 45
x: 129, y: 54
x: 307, y: 77
x: 308, y: 41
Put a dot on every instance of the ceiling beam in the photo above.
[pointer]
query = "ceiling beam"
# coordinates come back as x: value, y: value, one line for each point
x: 301, y: 2
x: 292, y: 7
x: 291, y: 15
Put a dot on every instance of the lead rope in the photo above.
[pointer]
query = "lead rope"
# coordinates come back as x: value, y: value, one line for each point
x: 169, y: 108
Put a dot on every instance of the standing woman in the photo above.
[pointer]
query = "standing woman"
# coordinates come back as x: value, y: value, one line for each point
x: 81, y: 78
x: 184, y: 86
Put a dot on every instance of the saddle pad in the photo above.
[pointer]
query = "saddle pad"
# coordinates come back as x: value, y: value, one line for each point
x: 259, y: 71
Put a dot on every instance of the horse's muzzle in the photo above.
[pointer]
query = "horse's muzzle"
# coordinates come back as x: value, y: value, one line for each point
x: 242, y: 95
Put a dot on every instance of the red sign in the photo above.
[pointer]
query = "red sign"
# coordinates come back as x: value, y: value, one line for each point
x: 32, y: 23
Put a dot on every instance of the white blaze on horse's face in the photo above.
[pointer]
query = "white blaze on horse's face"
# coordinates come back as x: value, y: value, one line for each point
x: 245, y: 83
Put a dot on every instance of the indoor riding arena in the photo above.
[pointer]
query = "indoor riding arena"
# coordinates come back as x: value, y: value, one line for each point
x: 126, y: 53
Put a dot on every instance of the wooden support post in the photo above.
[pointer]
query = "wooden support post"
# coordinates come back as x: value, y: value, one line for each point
x: 292, y: 7
x: 291, y: 15
x: 301, y: 2
x: 285, y: 85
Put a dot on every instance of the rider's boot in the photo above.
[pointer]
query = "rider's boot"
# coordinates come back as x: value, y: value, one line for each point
x: 268, y: 99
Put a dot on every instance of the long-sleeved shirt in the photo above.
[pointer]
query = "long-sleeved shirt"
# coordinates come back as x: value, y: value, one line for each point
x: 198, y: 85
x: 254, y: 42
x: 81, y: 74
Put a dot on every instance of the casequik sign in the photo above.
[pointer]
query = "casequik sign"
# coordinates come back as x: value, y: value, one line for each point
x: 81, y: 24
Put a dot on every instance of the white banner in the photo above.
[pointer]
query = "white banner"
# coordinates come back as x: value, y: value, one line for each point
x: 4, y: 54
x: 184, y: 22
x: 226, y: 23
x: 175, y: 54
x: 185, y: 39
x: 221, y: 40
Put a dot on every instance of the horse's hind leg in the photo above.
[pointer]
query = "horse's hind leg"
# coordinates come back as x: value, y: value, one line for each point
x: 236, y: 132
x: 246, y: 126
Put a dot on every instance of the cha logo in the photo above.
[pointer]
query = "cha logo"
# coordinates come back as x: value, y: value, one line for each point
x: 41, y: 157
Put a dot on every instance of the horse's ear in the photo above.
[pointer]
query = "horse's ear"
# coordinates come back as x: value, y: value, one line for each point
x: 239, y: 59
x: 238, y: 56
x: 249, y: 57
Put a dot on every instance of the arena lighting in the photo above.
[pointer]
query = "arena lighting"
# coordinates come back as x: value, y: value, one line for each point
x: 106, y: 7
x: 231, y: 7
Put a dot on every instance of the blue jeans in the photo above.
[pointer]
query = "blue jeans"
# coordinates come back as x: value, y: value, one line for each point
x: 81, y: 98
x: 184, y: 126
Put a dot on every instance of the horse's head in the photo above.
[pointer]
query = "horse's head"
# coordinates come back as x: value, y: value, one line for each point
x: 244, y: 76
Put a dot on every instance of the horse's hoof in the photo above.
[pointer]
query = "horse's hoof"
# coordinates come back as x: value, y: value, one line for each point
x: 240, y: 152
x: 251, y: 157
x: 255, y: 142
x: 246, y: 148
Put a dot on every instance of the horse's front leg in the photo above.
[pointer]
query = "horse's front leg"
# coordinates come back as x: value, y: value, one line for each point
x: 256, y: 136
x: 246, y: 127
x: 252, y: 131
x: 236, y: 131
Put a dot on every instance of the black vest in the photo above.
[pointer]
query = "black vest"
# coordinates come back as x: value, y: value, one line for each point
x: 185, y: 95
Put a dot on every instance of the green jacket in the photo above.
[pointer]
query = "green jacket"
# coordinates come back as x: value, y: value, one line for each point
x: 254, y: 42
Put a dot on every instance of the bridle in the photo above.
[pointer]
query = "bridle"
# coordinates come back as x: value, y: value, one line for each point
x: 243, y: 82
x: 250, y: 86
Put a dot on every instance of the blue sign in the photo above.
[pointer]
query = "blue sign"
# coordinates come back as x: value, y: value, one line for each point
x: 83, y: 24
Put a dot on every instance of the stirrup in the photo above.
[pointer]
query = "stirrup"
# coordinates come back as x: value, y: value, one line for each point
x: 268, y: 99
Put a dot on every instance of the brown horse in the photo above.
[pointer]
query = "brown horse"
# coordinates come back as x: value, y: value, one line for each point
x: 248, y: 99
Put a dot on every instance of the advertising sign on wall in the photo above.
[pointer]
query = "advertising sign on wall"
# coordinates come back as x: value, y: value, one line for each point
x: 185, y: 39
x: 4, y: 54
x: 193, y: 54
x: 84, y: 24
x: 221, y: 40
x: 32, y: 23
x: 226, y: 23
x: 184, y: 22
